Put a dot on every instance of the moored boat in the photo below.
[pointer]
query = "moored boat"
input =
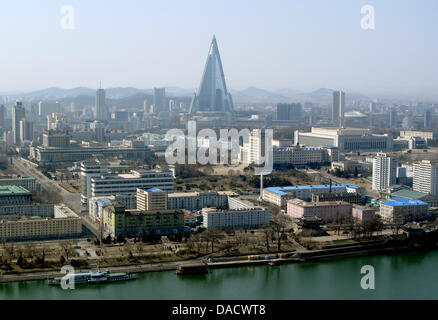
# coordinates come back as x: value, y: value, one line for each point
x: 192, y: 269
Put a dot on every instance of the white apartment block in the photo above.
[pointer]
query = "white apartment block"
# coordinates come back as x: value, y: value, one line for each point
x: 384, y: 171
x: 426, y: 177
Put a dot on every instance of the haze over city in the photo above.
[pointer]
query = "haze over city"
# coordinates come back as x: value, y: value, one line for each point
x: 299, y: 45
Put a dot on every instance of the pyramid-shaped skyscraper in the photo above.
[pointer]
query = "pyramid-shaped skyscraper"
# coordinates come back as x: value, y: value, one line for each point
x: 213, y: 95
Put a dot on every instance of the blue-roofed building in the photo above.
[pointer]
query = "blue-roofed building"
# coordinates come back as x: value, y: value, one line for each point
x: 280, y: 195
x: 401, y: 210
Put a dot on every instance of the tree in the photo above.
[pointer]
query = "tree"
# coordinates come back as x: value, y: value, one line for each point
x: 279, y: 228
x: 268, y: 233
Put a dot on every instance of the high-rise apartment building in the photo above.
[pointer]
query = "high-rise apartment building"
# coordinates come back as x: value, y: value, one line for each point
x: 100, y: 104
x: 338, y: 107
x: 426, y: 177
x: 160, y: 100
x: 2, y: 116
x: 151, y: 199
x: 384, y: 171
x: 428, y: 119
x: 26, y: 130
x: 18, y: 113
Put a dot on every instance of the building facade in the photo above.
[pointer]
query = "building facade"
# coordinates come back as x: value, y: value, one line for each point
x: 426, y: 177
x: 384, y: 171
x: 329, y: 212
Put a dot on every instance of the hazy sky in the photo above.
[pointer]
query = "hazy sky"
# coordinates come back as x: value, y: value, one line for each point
x: 302, y: 44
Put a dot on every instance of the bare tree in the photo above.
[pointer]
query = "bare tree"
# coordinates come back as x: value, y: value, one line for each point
x: 279, y: 228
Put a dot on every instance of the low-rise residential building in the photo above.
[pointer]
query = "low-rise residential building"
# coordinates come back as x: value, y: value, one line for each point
x: 404, y: 210
x: 280, y: 195
x: 329, y: 212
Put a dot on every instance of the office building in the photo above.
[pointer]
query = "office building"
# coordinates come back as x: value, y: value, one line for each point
x: 426, y: 177
x: 238, y: 214
x: 393, y: 118
x: 213, y: 95
x: 18, y: 113
x: 328, y: 212
x: 427, y: 135
x: 345, y: 139
x: 30, y: 184
x: 64, y: 224
x: 56, y: 139
x: 14, y: 195
x: 89, y: 170
x: 297, y: 155
x: 118, y: 184
x: 76, y: 153
x: 384, y: 171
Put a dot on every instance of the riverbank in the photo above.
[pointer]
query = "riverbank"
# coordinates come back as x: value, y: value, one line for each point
x: 335, y: 252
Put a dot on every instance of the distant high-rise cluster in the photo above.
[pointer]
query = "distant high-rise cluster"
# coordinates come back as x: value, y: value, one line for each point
x: 213, y: 95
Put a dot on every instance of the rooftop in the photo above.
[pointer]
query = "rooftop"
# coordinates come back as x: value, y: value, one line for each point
x: 303, y: 203
x: 282, y: 190
x: 152, y: 190
x: 13, y: 190
x: 399, y: 202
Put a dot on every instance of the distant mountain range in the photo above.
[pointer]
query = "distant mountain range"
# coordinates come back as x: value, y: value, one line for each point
x: 249, y: 95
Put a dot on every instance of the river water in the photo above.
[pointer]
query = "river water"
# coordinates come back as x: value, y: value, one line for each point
x: 411, y: 275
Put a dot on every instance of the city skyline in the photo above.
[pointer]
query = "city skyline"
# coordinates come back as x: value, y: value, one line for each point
x: 395, y: 57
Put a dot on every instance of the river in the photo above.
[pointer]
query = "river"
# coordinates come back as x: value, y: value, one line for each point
x: 409, y: 275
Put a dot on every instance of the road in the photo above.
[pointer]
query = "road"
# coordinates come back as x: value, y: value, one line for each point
x: 71, y: 200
